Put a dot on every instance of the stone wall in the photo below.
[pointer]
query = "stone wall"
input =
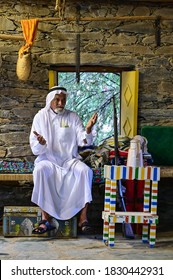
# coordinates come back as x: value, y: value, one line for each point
x: 117, y: 43
x: 113, y: 42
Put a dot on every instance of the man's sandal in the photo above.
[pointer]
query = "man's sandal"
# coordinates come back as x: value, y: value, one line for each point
x: 85, y: 228
x: 41, y: 230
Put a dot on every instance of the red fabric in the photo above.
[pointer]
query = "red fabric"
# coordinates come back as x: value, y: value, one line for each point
x: 134, y: 200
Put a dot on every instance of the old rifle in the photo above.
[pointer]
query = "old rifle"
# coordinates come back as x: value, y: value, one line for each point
x: 127, y: 228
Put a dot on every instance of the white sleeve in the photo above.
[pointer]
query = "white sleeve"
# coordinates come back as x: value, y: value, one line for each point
x: 36, y: 147
x: 81, y: 133
x: 89, y: 138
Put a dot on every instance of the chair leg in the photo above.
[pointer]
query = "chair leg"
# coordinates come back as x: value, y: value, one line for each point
x: 145, y: 233
x: 152, y: 235
x: 105, y: 231
x: 111, y: 234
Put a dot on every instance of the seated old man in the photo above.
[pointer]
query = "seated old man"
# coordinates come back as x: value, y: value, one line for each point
x: 62, y: 182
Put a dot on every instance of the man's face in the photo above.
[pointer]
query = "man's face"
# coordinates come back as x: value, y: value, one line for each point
x: 58, y: 103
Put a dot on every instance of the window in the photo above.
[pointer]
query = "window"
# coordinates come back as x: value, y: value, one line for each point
x: 94, y: 92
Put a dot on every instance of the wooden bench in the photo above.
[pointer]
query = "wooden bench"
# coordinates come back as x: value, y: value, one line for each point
x: 166, y: 171
x: 16, y: 177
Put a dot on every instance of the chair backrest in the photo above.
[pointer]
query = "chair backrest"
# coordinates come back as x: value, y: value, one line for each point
x: 115, y: 172
x: 149, y: 174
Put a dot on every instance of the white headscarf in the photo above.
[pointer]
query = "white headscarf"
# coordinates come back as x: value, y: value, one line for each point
x: 52, y: 92
x: 45, y: 121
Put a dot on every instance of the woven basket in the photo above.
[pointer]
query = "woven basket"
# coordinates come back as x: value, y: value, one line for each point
x: 24, y: 65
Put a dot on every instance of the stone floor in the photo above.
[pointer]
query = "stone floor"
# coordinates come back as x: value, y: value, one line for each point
x: 92, y: 247
x: 85, y: 248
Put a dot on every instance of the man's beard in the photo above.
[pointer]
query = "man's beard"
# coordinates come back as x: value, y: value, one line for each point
x: 59, y: 110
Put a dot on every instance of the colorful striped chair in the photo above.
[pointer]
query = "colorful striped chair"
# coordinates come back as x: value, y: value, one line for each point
x: 149, y: 217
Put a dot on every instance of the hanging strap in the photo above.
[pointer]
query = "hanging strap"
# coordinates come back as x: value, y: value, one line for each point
x: 60, y: 7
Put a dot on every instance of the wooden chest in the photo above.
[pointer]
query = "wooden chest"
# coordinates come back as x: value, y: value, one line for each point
x: 20, y: 220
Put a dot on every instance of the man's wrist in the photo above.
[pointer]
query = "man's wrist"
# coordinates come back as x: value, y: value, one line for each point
x: 88, y: 130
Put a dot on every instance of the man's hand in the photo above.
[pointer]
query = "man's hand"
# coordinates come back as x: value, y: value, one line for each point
x: 40, y: 138
x: 91, y: 122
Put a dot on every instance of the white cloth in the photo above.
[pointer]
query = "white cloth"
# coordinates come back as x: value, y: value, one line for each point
x: 62, y: 182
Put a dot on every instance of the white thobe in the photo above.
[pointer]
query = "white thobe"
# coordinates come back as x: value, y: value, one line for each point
x: 62, y: 182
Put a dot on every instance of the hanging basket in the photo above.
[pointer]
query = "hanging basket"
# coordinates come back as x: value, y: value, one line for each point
x: 24, y: 65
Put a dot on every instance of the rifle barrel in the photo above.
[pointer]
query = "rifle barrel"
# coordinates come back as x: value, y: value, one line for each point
x: 115, y: 131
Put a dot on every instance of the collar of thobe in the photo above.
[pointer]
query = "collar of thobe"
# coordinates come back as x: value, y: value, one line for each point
x: 56, y: 115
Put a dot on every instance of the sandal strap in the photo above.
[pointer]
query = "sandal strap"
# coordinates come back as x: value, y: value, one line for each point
x: 43, y: 222
x: 85, y: 224
x: 46, y: 223
x: 40, y: 229
x: 85, y: 227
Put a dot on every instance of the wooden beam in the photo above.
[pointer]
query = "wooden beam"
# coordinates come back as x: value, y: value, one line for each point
x: 11, y: 37
x: 153, y: 1
x: 117, y: 18
x: 91, y: 67
x: 16, y: 177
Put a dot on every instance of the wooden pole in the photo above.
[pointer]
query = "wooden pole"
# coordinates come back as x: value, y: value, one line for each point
x: 78, y: 58
x: 101, y: 18
x: 11, y: 37
x: 118, y: 18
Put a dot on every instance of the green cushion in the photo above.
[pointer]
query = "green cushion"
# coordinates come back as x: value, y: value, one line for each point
x: 160, y: 143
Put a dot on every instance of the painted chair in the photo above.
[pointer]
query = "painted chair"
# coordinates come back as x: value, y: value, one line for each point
x: 148, y: 218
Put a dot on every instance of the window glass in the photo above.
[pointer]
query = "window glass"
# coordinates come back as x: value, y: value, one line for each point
x: 92, y: 94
